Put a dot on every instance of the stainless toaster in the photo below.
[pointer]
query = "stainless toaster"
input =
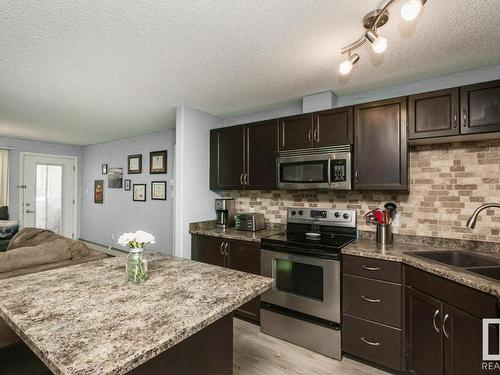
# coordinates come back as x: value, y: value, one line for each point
x: 250, y: 221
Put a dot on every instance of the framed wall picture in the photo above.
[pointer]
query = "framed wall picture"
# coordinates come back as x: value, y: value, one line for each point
x: 134, y: 164
x: 158, y: 162
x: 104, y: 169
x: 99, y: 191
x: 159, y: 190
x: 127, y: 184
x: 115, y: 178
x: 139, y: 193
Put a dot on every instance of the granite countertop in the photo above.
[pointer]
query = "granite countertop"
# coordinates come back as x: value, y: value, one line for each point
x: 401, y: 252
x: 207, y: 228
x: 87, y: 319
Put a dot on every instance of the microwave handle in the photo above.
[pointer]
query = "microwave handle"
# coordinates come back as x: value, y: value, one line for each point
x: 329, y: 172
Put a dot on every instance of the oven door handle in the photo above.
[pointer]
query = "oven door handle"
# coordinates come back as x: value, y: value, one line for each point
x: 329, y: 172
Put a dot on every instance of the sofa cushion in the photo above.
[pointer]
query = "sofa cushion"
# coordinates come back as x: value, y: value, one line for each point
x: 30, y: 256
x: 32, y: 237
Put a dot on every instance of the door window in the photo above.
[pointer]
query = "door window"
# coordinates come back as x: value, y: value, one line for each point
x: 48, y: 197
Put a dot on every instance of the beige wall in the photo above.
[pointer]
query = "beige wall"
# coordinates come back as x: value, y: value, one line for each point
x: 447, y: 182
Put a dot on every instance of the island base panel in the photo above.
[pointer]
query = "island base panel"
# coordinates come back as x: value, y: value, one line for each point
x: 207, y: 352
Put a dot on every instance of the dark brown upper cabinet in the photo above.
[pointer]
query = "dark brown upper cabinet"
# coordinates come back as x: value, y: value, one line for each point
x: 332, y: 127
x: 244, y: 156
x: 381, y: 146
x: 261, y: 145
x: 480, y: 108
x: 226, y: 158
x: 296, y: 132
x: 434, y: 114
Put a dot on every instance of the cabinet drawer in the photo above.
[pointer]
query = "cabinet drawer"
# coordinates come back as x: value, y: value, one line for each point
x: 374, y: 268
x: 372, y: 299
x: 372, y: 341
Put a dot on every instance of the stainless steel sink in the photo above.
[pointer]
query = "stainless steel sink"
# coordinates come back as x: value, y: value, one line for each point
x: 457, y: 258
x: 491, y: 272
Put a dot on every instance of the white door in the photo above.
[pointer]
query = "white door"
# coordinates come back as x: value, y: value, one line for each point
x: 48, y: 199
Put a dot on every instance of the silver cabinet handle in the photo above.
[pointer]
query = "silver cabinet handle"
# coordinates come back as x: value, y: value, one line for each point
x: 245, y: 179
x: 241, y: 179
x: 222, y: 251
x: 436, y: 313
x: 309, y: 136
x: 455, y: 120
x: 370, y: 300
x: 225, y: 248
x: 316, y: 135
x: 371, y: 268
x: 444, y: 326
x: 371, y: 343
x: 356, y: 176
x: 465, y: 118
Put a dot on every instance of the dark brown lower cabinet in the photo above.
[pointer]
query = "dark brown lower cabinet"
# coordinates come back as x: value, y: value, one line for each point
x: 238, y: 255
x: 424, y: 340
x: 441, y: 338
x: 371, y: 307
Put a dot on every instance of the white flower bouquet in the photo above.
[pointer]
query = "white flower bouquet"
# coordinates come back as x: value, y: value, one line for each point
x: 137, y: 265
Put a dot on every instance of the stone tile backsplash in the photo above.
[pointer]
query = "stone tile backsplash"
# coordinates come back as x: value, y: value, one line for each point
x: 447, y: 182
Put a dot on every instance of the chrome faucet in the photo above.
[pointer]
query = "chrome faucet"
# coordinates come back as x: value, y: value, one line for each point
x: 471, y: 223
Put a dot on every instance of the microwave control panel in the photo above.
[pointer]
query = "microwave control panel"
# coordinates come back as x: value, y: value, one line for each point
x: 339, y: 170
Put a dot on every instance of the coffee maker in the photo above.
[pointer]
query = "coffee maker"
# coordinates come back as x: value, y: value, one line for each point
x: 224, y: 208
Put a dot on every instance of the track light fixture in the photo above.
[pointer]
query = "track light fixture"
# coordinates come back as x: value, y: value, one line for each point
x: 372, y: 21
x: 347, y: 65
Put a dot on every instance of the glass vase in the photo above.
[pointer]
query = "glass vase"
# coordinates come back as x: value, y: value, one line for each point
x: 137, y: 266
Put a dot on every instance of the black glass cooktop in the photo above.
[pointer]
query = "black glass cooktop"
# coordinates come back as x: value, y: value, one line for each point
x: 326, y: 242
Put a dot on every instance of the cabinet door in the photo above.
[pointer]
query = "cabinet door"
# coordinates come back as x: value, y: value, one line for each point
x: 480, y: 107
x: 433, y: 114
x: 245, y: 257
x: 381, y: 146
x: 424, y: 342
x: 226, y: 158
x: 208, y: 249
x: 261, y: 140
x: 296, y: 132
x: 333, y: 127
x: 463, y: 342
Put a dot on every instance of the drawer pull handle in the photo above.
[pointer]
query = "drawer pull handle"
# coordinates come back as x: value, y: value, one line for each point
x: 370, y: 342
x: 370, y: 299
x: 434, y: 321
x: 371, y: 268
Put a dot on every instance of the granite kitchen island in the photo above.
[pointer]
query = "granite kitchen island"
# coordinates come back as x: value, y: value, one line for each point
x: 85, y: 319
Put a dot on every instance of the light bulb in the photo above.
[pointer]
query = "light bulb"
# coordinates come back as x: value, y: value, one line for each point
x: 347, y: 65
x: 411, y: 9
x: 379, y: 43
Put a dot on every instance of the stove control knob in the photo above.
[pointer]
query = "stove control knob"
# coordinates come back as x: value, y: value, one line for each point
x: 293, y: 213
x: 300, y: 212
x: 337, y: 214
x: 346, y: 216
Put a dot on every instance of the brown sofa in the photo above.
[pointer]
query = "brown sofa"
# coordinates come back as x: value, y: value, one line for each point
x: 34, y: 250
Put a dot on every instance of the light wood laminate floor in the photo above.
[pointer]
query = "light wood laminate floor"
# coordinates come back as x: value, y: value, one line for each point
x: 258, y: 354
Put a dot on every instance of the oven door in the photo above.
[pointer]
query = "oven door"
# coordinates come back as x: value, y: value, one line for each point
x: 305, y: 284
x: 316, y: 171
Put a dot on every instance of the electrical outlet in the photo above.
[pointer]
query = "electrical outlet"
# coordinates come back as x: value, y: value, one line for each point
x: 395, y: 219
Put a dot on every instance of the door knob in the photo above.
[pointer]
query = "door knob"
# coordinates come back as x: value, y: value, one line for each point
x: 29, y: 211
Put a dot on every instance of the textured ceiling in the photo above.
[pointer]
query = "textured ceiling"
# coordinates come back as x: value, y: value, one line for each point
x: 83, y: 72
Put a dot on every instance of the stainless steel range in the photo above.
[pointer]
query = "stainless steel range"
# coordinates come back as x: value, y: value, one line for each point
x: 303, y: 306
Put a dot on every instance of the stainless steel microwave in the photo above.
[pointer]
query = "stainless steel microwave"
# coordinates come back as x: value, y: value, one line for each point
x: 315, y: 168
